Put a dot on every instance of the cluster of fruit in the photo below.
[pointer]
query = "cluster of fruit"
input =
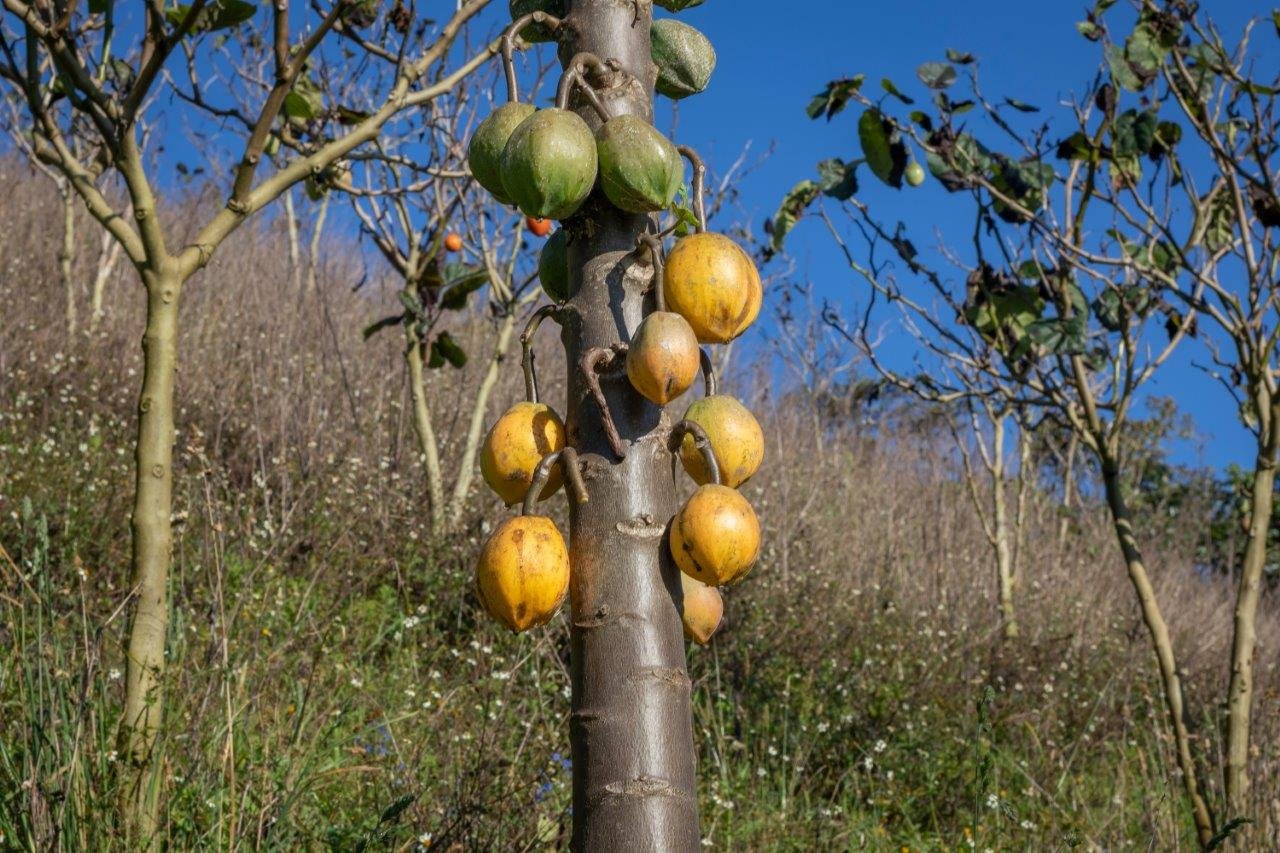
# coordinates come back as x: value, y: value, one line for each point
x: 707, y: 290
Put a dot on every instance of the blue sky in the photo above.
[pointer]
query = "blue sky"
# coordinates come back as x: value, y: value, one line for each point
x: 771, y: 62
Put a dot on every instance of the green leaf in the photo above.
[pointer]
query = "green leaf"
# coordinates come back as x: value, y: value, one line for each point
x: 1090, y: 30
x: 1167, y: 136
x: 686, y: 220
x: 305, y: 101
x: 1109, y: 309
x: 1133, y: 133
x: 885, y: 153
x: 789, y: 211
x: 460, y: 282
x: 378, y: 325
x: 412, y: 304
x: 1275, y: 20
x: 888, y: 86
x: 449, y: 350
x: 837, y: 178
x: 1078, y: 146
x: 348, y: 116
x: 1021, y: 106
x: 833, y: 99
x: 218, y: 15
x: 960, y: 58
x: 1025, y: 183
x: 1121, y: 73
x: 936, y: 75
x: 1220, y: 230
x: 1059, y: 336
x: 394, y: 810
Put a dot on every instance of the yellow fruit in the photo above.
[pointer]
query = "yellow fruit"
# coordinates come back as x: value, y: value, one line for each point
x: 711, y: 282
x: 523, y: 573
x: 736, y: 441
x: 755, y: 301
x: 662, y: 358
x: 514, y: 447
x: 701, y: 610
x: 715, y: 536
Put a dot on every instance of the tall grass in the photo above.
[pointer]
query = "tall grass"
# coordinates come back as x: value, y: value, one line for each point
x: 333, y: 684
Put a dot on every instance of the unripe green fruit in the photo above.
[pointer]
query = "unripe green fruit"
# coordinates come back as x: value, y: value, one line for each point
x: 537, y: 32
x: 640, y: 170
x: 549, y: 164
x: 914, y: 174
x: 484, y: 154
x: 684, y: 56
x: 553, y: 266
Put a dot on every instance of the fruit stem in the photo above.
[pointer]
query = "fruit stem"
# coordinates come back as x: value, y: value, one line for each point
x: 526, y: 347
x: 699, y: 179
x: 574, y: 77
x: 567, y: 459
x: 708, y: 374
x: 592, y: 359
x: 509, y: 45
x: 655, y: 251
x: 700, y: 441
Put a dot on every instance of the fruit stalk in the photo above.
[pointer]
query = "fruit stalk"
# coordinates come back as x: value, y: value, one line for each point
x: 631, y: 724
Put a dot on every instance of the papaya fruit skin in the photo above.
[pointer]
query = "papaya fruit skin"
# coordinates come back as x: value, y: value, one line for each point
x: 684, y: 56
x: 522, y: 575
x: 715, y: 537
x: 535, y: 33
x: 677, y: 5
x: 712, y: 283
x: 515, y: 445
x: 701, y: 609
x: 553, y: 266
x: 640, y: 170
x: 484, y: 153
x: 736, y: 439
x: 549, y: 164
x: 662, y: 358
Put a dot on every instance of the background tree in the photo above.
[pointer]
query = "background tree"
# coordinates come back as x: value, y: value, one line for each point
x: 1076, y: 258
x: 104, y: 64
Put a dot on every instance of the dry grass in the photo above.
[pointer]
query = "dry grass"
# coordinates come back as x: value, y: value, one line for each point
x: 328, y: 660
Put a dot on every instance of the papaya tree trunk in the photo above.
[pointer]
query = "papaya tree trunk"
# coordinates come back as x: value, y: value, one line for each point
x: 631, y: 727
x: 1160, y: 640
x: 1245, y: 635
x: 152, y: 547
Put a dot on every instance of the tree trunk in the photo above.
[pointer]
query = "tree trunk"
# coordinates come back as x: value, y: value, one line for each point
x: 67, y: 255
x: 108, y: 255
x: 295, y: 251
x: 1245, y: 636
x: 631, y: 727
x: 1160, y: 640
x: 1000, y: 523
x: 422, y: 427
x: 152, y: 547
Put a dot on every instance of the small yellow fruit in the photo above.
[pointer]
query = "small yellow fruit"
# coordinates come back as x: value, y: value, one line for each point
x: 711, y: 282
x: 715, y: 537
x: 662, y: 358
x: 736, y: 439
x: 514, y: 447
x: 755, y: 301
x: 701, y: 610
x: 523, y: 573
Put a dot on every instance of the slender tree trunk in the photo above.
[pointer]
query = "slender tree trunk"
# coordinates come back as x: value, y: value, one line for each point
x: 313, y: 252
x: 1160, y: 640
x: 1245, y: 636
x: 479, y: 409
x: 152, y: 547
x: 422, y: 427
x: 1020, y: 514
x: 631, y: 727
x: 1000, y: 523
x: 1068, y: 485
x: 67, y: 255
x: 295, y: 250
x: 108, y: 256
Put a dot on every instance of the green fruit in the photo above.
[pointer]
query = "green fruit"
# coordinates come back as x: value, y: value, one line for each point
x: 914, y: 174
x: 484, y: 154
x: 553, y: 266
x: 677, y: 5
x: 640, y: 170
x: 537, y: 32
x: 549, y: 164
x: 684, y: 56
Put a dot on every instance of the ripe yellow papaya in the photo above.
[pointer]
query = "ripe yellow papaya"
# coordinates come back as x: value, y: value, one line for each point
x: 515, y: 445
x: 523, y: 572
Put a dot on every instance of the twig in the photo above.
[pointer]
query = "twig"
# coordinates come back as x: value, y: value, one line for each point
x: 700, y: 441
x: 591, y: 361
